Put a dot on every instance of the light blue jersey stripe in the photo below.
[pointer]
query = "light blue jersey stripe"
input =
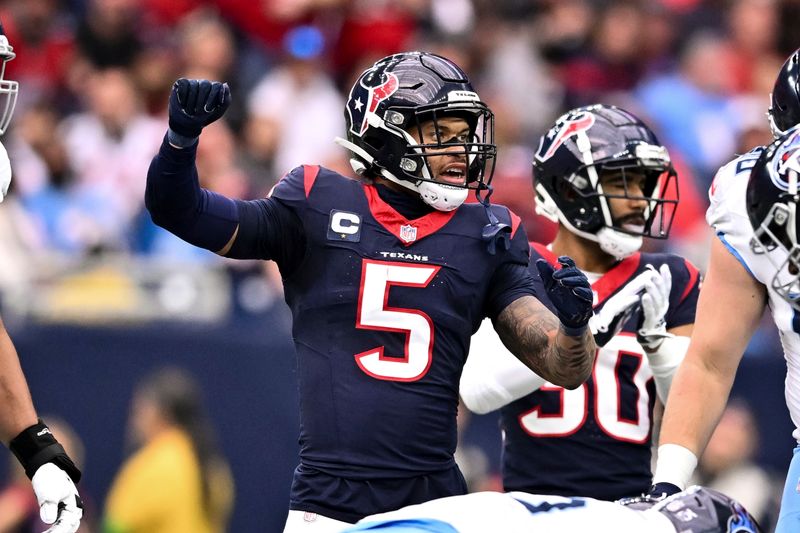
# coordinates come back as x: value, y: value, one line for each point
x: 735, y: 253
x: 789, y: 518
x: 416, y: 525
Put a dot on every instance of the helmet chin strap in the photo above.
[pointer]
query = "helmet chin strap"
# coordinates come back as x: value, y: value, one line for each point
x: 618, y: 244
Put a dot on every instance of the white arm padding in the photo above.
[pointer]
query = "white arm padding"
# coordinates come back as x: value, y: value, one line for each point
x: 665, y: 361
x: 493, y: 376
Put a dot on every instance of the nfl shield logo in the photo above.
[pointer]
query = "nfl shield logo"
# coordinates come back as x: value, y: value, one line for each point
x: 408, y: 233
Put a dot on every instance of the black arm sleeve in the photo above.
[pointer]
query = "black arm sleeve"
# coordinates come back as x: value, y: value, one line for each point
x: 177, y: 203
x: 268, y: 229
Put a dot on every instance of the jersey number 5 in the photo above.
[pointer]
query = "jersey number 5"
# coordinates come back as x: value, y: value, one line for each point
x: 377, y: 278
x: 618, y: 362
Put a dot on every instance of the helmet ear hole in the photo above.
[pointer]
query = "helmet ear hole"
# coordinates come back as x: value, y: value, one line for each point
x: 565, y: 190
x: 374, y: 142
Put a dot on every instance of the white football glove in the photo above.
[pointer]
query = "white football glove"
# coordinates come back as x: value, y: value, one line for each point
x: 655, y: 304
x: 611, y: 318
x: 59, y: 503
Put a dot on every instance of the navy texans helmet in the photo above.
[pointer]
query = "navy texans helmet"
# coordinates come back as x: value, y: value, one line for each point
x: 703, y: 510
x: 396, y: 96
x: 784, y: 111
x: 583, y: 145
x: 773, y: 193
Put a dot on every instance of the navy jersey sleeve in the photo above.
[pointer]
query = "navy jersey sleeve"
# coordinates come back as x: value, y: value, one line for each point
x: 272, y: 228
x: 511, y: 279
x: 686, y: 281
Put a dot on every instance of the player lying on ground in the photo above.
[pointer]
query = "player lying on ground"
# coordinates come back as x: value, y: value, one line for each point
x: 695, y: 510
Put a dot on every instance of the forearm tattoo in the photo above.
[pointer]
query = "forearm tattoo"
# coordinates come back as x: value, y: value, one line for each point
x: 532, y: 333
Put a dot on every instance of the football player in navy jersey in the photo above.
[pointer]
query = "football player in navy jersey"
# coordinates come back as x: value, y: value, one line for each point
x: 387, y: 277
x: 53, y: 474
x: 602, y: 175
x: 753, y: 265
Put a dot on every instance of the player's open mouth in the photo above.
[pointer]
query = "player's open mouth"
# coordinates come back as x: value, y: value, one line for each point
x: 454, y: 174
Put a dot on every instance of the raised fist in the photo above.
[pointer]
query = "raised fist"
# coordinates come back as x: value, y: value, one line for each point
x: 194, y: 104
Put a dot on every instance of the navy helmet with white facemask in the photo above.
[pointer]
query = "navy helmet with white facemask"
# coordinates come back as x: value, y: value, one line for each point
x: 396, y: 96
x: 579, y: 149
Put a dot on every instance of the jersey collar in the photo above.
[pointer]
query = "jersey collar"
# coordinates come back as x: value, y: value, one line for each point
x: 407, y: 231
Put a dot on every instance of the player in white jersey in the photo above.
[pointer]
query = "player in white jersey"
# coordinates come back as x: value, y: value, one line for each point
x: 696, y: 510
x: 602, y: 174
x: 53, y: 474
x: 754, y: 264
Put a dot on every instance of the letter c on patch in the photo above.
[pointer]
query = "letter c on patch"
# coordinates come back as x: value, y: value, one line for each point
x: 346, y: 223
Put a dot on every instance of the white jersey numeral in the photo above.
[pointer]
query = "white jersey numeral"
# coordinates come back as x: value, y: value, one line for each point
x: 377, y: 278
x: 607, y: 398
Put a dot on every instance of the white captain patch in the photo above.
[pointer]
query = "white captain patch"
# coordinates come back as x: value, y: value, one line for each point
x: 344, y: 226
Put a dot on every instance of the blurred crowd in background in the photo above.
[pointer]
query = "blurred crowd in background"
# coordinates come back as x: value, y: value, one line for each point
x: 95, y: 76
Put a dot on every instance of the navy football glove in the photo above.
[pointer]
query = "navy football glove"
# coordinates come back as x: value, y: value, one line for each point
x: 194, y: 104
x: 662, y: 490
x: 570, y: 291
x: 657, y: 493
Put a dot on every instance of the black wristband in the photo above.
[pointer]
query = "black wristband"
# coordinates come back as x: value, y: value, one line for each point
x: 36, y: 445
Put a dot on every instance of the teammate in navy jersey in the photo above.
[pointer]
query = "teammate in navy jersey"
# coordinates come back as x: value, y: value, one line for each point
x: 53, y: 474
x: 753, y: 265
x: 387, y: 278
x: 604, y: 177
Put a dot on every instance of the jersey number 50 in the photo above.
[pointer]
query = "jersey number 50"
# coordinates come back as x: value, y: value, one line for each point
x: 619, y: 362
x: 377, y: 278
